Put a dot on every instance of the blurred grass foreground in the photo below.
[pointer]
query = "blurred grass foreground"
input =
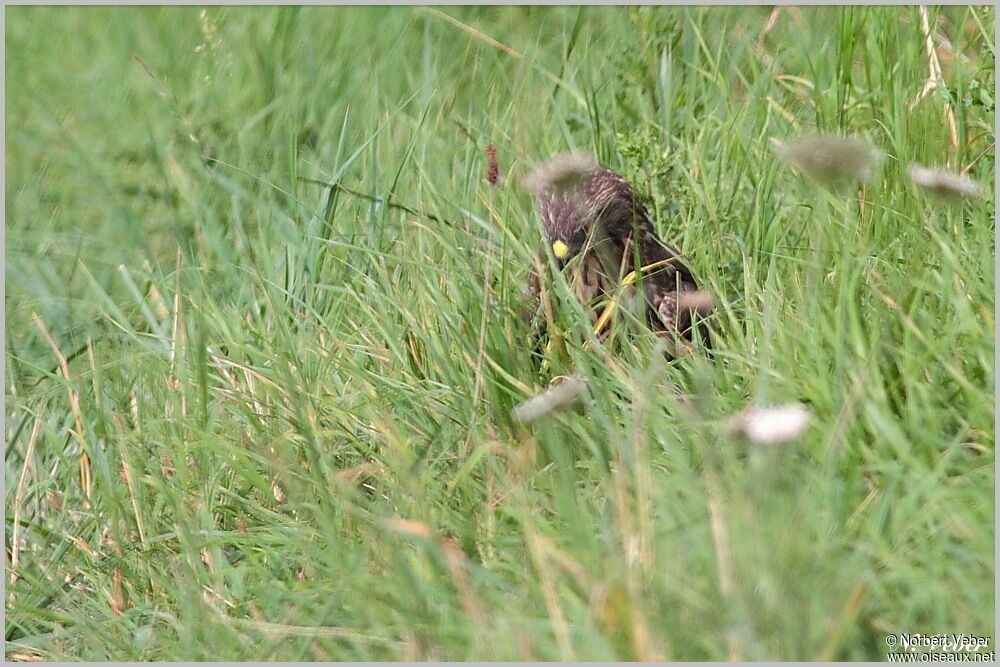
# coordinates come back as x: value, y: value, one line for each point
x: 264, y: 335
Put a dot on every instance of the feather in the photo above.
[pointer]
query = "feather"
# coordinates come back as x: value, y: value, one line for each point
x: 606, y: 227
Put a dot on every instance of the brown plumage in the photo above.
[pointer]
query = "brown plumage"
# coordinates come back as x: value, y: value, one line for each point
x: 599, y: 230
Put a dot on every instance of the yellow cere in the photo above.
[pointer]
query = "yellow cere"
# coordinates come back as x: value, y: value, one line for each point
x: 560, y: 249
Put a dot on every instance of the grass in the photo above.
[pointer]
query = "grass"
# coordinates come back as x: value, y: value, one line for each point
x: 263, y: 337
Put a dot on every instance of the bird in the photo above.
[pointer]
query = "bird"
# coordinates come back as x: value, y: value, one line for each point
x: 599, y: 232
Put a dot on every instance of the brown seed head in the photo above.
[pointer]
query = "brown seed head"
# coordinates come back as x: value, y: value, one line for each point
x: 492, y: 166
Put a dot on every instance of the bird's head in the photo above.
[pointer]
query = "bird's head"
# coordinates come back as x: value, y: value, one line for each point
x: 566, y: 242
x: 563, y: 186
x: 569, y: 220
x: 581, y: 219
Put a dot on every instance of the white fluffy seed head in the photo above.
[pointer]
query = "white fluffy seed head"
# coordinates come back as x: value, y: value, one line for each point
x: 831, y: 158
x: 562, y: 172
x: 771, y: 425
x: 698, y: 301
x: 555, y: 397
x: 944, y: 183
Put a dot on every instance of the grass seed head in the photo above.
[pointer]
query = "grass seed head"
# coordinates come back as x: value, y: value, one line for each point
x: 770, y: 425
x: 831, y: 158
x: 944, y: 183
x: 555, y: 397
x: 492, y: 166
x: 562, y: 172
x: 697, y: 301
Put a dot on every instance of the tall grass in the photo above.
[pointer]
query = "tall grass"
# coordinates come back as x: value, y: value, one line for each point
x: 264, y: 335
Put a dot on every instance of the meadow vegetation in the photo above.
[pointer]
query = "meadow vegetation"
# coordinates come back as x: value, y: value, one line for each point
x: 263, y: 336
